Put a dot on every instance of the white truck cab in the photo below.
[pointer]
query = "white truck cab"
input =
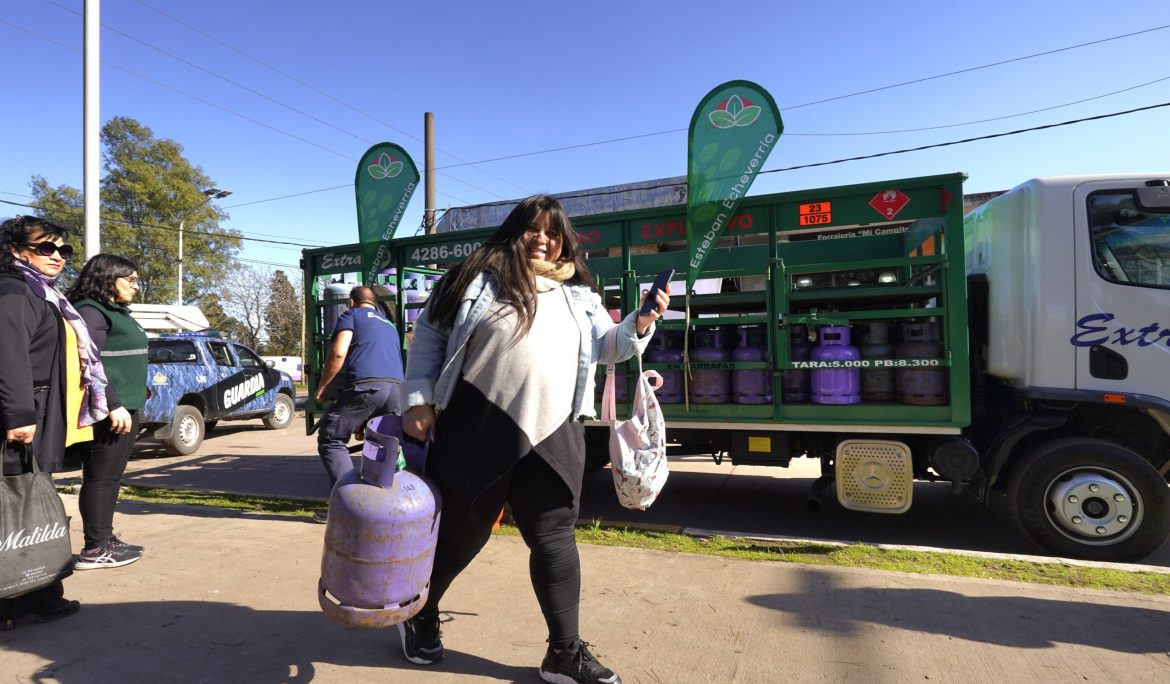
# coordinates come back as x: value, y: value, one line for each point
x: 1074, y: 276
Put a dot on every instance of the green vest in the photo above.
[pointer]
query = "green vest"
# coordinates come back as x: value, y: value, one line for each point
x: 124, y: 356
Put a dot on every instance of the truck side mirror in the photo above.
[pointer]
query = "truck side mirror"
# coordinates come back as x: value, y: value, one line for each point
x: 270, y: 363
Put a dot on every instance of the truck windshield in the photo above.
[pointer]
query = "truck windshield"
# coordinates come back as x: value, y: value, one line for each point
x: 1130, y: 245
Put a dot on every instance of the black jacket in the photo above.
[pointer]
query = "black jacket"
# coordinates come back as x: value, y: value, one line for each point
x: 33, y: 357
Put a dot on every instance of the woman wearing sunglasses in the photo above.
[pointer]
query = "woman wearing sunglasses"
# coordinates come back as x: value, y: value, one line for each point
x: 45, y: 343
x: 103, y: 292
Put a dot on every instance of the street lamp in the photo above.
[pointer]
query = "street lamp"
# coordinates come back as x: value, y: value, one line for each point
x: 212, y: 194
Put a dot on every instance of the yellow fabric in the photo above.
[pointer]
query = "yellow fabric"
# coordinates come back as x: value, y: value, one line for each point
x: 74, y: 392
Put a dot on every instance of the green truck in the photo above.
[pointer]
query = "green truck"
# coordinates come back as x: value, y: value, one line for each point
x: 1021, y: 349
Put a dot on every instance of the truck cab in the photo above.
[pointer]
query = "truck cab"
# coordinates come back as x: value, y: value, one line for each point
x: 198, y: 379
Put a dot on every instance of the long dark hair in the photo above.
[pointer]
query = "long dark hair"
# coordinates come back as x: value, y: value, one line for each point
x: 97, y: 280
x: 504, y: 256
x: 14, y: 233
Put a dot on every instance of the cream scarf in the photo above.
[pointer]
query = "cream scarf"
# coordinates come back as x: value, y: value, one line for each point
x: 560, y: 271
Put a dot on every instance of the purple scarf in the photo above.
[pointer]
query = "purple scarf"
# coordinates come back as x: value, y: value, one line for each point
x: 93, y: 374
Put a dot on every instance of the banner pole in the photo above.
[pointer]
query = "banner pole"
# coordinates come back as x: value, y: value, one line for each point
x: 687, y: 353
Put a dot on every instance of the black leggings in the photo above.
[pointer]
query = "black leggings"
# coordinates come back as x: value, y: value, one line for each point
x: 545, y: 512
x: 103, y: 461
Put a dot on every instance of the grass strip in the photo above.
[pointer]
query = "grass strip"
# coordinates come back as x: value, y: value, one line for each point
x: 851, y: 556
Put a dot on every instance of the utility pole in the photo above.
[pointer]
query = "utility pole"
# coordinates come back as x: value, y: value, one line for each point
x: 211, y: 193
x: 91, y: 129
x: 429, y: 166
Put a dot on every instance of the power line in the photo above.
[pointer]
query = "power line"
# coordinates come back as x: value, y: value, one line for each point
x: 879, y: 154
x: 313, y: 88
x: 189, y: 231
x: 829, y: 99
x: 892, y: 152
x: 977, y: 68
x: 257, y: 93
x: 268, y: 263
x: 212, y: 104
x: 994, y: 118
x: 969, y: 140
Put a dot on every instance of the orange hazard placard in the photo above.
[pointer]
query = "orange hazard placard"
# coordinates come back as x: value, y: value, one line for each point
x: 816, y: 213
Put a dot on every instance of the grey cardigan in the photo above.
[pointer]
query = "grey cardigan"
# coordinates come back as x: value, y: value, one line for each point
x: 435, y: 358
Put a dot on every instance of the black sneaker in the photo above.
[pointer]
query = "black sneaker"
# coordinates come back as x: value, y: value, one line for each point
x: 105, y: 556
x: 114, y: 541
x: 575, y: 665
x: 420, y: 640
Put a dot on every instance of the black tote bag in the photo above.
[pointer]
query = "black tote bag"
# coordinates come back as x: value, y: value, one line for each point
x: 35, y: 549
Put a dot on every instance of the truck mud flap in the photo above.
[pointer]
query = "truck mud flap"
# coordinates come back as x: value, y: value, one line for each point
x: 874, y: 476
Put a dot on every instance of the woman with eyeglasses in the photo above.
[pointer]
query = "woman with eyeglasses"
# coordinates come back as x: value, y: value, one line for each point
x: 46, y: 342
x: 102, y: 294
x: 500, y: 374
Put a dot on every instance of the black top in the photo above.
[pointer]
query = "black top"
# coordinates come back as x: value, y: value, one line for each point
x: 99, y: 329
x: 33, y: 356
x: 32, y: 338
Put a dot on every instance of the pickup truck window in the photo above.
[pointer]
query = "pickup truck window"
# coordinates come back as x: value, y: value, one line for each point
x: 219, y: 352
x: 1131, y: 246
x: 248, y: 358
x: 172, y: 351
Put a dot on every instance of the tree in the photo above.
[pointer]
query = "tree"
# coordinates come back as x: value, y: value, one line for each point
x: 148, y: 189
x: 244, y: 297
x: 283, y: 317
x: 218, y: 319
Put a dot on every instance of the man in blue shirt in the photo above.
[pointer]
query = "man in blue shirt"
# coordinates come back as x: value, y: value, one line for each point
x: 367, y: 351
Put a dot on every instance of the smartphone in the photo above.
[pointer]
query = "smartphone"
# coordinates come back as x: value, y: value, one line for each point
x: 660, y: 282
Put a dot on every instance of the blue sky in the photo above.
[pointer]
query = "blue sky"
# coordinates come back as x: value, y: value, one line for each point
x: 508, y: 78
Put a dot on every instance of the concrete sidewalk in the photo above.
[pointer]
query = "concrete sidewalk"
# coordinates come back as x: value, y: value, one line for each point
x: 232, y: 598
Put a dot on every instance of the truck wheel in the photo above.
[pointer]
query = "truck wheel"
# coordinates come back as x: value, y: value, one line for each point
x: 282, y: 413
x: 186, y: 431
x: 1088, y: 498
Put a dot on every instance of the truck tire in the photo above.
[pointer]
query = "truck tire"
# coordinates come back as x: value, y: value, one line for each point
x: 186, y: 431
x: 1088, y: 498
x: 282, y: 413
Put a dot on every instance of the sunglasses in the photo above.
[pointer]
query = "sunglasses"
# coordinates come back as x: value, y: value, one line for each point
x: 47, y: 248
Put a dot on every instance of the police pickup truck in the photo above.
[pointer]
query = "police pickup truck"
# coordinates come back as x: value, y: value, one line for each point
x: 197, y: 379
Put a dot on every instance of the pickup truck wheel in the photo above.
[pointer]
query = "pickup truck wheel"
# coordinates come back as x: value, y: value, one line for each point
x: 186, y: 431
x: 282, y: 413
x: 1089, y: 498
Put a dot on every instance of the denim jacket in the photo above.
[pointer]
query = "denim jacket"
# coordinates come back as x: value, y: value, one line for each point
x: 435, y: 358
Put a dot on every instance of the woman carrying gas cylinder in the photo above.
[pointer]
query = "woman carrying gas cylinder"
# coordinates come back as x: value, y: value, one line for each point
x: 500, y: 373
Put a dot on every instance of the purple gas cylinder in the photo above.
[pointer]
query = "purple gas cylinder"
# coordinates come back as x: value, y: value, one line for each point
x: 665, y: 351
x: 926, y: 385
x: 794, y: 383
x: 877, y: 384
x: 751, y: 385
x: 621, y: 387
x: 710, y: 385
x: 381, y: 535
x: 416, y: 293
x: 836, y: 385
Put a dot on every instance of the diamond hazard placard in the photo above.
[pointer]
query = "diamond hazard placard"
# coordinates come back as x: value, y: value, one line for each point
x: 889, y: 202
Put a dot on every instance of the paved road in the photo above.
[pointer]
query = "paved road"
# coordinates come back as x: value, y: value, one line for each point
x: 748, y: 500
